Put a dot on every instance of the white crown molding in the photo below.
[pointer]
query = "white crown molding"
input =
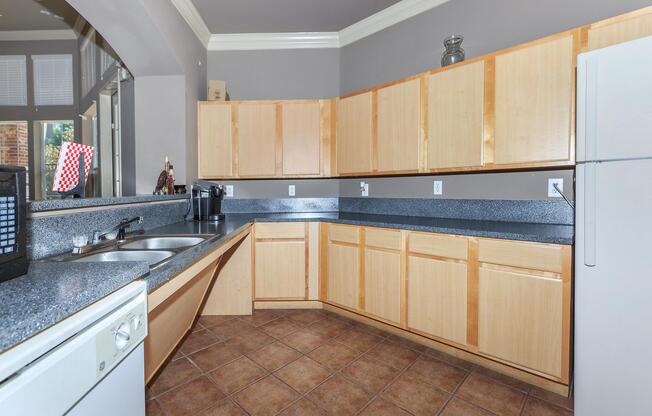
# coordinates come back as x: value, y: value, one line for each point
x: 385, y: 18
x: 19, y: 35
x: 256, y: 41
x: 194, y: 20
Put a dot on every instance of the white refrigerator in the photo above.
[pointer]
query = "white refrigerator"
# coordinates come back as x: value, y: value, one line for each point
x: 613, y: 251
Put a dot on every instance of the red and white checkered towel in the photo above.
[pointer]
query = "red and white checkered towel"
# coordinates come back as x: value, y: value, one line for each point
x: 67, y: 174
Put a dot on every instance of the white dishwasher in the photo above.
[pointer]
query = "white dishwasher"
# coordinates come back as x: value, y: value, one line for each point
x: 89, y: 364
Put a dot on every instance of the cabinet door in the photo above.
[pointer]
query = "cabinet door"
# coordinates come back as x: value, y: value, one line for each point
x: 455, y: 117
x: 343, y: 269
x: 437, y: 298
x: 382, y: 281
x: 399, y: 127
x: 215, y: 141
x: 301, y: 138
x: 520, y: 319
x: 256, y: 139
x: 280, y: 270
x: 620, y: 31
x: 534, y: 95
x: 354, y: 134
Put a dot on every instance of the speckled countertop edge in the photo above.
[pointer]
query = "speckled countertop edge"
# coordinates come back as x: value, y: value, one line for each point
x: 57, y: 204
x: 51, y: 292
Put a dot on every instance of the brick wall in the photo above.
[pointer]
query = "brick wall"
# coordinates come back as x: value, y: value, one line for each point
x: 14, y: 144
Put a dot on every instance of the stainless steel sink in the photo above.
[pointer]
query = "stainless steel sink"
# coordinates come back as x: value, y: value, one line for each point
x: 162, y: 243
x: 150, y: 256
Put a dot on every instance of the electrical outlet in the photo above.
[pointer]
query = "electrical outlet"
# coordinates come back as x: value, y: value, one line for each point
x: 364, y: 188
x: 291, y: 190
x: 437, y: 187
x: 552, y: 192
x: 229, y: 190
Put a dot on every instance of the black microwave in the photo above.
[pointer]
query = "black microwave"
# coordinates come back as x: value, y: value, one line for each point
x: 13, y: 212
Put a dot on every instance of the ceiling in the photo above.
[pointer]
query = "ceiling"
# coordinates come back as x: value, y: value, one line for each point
x: 27, y: 15
x: 272, y: 16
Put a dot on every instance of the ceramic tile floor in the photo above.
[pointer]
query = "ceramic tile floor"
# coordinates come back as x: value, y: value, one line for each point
x: 310, y: 362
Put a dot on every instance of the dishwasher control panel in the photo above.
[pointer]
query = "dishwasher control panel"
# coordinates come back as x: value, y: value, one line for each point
x: 122, y: 335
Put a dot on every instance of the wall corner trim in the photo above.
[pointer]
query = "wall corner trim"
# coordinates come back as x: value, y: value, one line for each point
x: 257, y: 41
x: 21, y: 35
x: 190, y: 14
x: 383, y: 19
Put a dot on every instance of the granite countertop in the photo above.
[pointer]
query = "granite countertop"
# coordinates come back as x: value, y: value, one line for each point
x: 234, y: 223
x: 57, y: 204
x: 51, y: 292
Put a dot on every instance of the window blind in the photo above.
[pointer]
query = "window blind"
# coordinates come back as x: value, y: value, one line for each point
x: 13, y: 80
x: 88, y: 71
x: 53, y: 80
x: 106, y: 61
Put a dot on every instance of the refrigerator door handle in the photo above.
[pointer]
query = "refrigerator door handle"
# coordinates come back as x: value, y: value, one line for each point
x: 590, y: 200
x: 591, y: 109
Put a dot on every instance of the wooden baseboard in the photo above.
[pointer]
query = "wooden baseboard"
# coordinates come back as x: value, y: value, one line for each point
x: 292, y: 304
x: 529, y: 378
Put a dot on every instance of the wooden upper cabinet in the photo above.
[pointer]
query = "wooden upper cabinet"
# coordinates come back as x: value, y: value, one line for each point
x: 399, y: 127
x: 618, y: 30
x: 257, y: 139
x: 215, y: 140
x: 455, y: 117
x: 354, y: 128
x: 301, y: 138
x: 533, y: 103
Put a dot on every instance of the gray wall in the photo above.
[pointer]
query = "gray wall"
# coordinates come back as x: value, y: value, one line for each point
x: 277, y: 74
x: 512, y: 185
x: 415, y: 45
x: 278, y: 188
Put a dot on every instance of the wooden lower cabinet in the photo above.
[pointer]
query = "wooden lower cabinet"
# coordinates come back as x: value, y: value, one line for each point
x: 280, y: 260
x: 169, y: 321
x: 382, y: 284
x: 343, y: 272
x: 280, y: 269
x: 437, y: 298
x: 521, y: 319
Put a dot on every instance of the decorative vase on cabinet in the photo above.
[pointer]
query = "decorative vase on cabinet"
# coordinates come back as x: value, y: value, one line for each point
x: 454, y: 52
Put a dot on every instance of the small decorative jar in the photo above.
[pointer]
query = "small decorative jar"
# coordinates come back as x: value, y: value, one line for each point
x: 454, y: 52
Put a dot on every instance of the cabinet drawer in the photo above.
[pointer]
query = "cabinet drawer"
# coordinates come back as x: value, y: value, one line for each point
x: 344, y: 234
x: 376, y: 237
x: 450, y: 246
x: 281, y: 230
x: 548, y: 257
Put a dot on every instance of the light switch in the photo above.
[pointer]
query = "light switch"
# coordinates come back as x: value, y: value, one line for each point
x: 437, y: 187
x: 291, y: 190
x: 552, y: 192
x: 229, y: 190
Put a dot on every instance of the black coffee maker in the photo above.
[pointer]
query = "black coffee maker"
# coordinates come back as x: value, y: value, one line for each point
x: 207, y: 202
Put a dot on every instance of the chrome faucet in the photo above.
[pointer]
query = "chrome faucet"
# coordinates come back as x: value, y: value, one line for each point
x: 121, y: 228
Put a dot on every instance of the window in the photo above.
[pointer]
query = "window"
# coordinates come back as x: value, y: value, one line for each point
x: 53, y: 80
x: 13, y: 80
x: 106, y: 61
x: 88, y: 54
x: 48, y: 136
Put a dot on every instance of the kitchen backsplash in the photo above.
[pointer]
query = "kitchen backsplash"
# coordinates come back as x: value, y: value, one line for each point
x: 52, y: 234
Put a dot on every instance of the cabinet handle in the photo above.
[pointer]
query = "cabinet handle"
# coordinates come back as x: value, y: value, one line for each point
x: 590, y: 197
